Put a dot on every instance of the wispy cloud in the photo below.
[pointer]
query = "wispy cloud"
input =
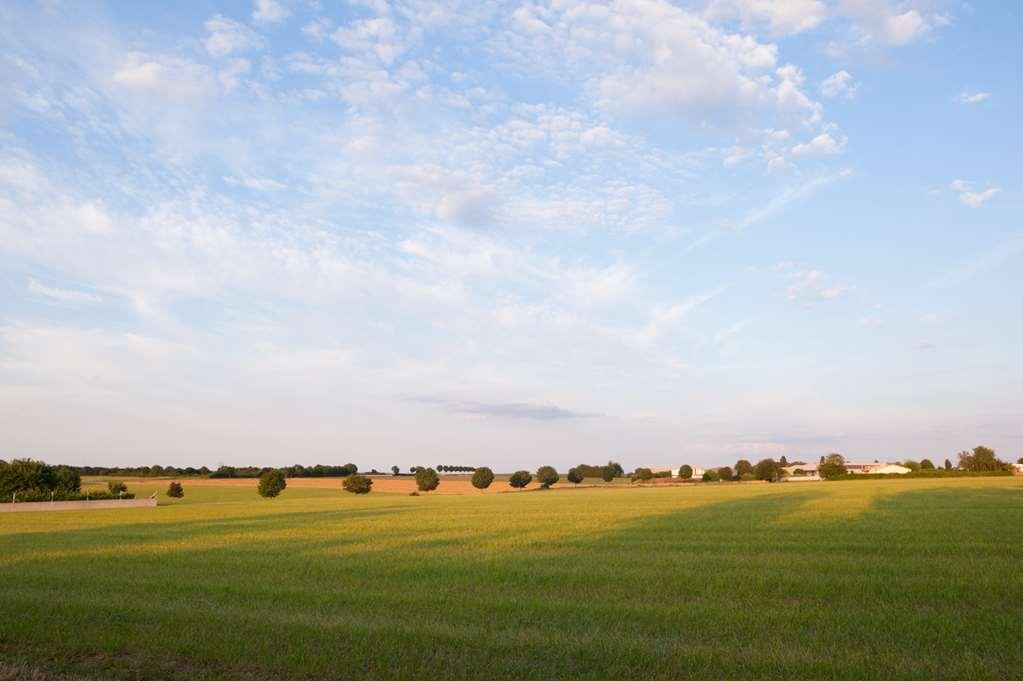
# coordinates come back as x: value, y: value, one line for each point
x: 982, y: 262
x: 62, y: 294
x: 971, y: 198
x: 967, y: 97
x: 507, y: 410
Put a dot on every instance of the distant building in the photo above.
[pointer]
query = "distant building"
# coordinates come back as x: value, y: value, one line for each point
x: 1017, y: 469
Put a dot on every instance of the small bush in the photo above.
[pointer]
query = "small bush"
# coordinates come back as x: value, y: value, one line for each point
x: 427, y: 479
x: 607, y: 473
x: 116, y: 487
x: 357, y: 484
x: 575, y: 476
x: 271, y: 483
x: 482, y: 478
x: 175, y: 490
x: 520, y: 479
x: 547, y: 476
x: 642, y: 474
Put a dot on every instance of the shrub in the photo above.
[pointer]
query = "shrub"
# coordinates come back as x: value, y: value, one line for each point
x: 175, y: 490
x: 357, y: 484
x: 427, y: 479
x: 482, y: 478
x: 607, y: 473
x: 575, y: 476
x: 686, y: 472
x: 272, y: 483
x: 520, y: 479
x: 725, y: 473
x: 116, y: 486
x: 710, y: 475
x: 642, y: 474
x: 927, y: 465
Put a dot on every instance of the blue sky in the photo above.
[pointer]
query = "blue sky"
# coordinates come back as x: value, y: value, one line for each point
x: 509, y: 234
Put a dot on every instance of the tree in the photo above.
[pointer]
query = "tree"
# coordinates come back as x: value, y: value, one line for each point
x: 767, y: 469
x: 68, y: 481
x: 357, y: 484
x: 395, y: 470
x: 116, y: 486
x: 686, y: 472
x: 822, y: 459
x: 742, y: 467
x: 926, y: 465
x: 271, y: 483
x: 607, y: 473
x: 725, y: 473
x: 26, y: 475
x: 783, y: 461
x: 710, y: 475
x: 175, y: 490
x: 547, y: 476
x: 642, y: 474
x: 980, y: 459
x: 948, y: 465
x: 482, y: 478
x: 349, y: 469
x: 833, y: 467
x: 617, y: 468
x: 1020, y: 460
x: 575, y: 476
x: 520, y: 479
x: 427, y: 479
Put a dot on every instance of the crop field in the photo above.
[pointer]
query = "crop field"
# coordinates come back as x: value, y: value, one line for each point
x: 888, y: 579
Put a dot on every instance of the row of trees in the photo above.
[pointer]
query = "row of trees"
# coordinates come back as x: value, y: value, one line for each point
x: 28, y: 478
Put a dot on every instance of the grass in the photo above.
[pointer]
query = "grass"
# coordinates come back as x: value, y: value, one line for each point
x: 845, y: 580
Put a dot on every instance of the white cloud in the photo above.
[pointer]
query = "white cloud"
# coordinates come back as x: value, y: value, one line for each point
x: 63, y: 295
x: 840, y: 84
x: 269, y: 11
x: 823, y: 144
x: 809, y: 286
x: 789, y: 17
x: 882, y: 22
x: 227, y: 36
x: 971, y: 198
x: 967, y: 97
x: 167, y: 77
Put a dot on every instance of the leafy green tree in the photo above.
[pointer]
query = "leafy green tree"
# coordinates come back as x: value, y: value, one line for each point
x: 395, y: 470
x: 833, y: 467
x: 175, y: 490
x: 26, y: 475
x: 911, y: 465
x: 822, y: 460
x: 725, y: 473
x: 948, y: 465
x: 767, y: 469
x: 607, y: 473
x: 742, y: 467
x: 685, y: 472
x: 482, y: 478
x: 116, y: 486
x: 783, y: 461
x: 710, y: 475
x: 980, y: 459
x: 357, y: 484
x: 272, y: 483
x: 642, y: 474
x: 68, y: 481
x: 547, y: 476
x: 926, y: 465
x: 520, y: 479
x: 575, y: 476
x: 427, y: 479
x: 617, y: 468
x: 1020, y: 460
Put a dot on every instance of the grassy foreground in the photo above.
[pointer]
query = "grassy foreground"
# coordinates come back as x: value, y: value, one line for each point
x: 893, y: 579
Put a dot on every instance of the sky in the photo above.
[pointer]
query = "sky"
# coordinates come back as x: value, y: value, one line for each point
x: 509, y: 234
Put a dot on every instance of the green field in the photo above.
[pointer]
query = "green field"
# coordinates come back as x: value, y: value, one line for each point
x: 861, y: 580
